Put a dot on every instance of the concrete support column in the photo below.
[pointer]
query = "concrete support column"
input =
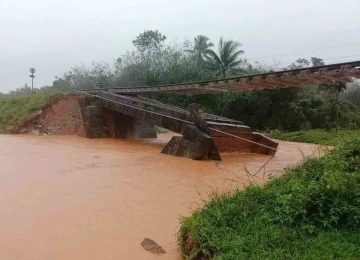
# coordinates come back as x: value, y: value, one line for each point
x: 93, y: 118
x: 100, y: 122
x: 123, y: 126
x: 194, y: 144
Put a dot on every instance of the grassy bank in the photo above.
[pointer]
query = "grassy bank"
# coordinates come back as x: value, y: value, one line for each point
x: 317, y: 136
x: 310, y: 212
x: 15, y: 110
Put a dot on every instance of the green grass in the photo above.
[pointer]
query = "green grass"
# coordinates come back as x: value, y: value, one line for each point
x: 311, y: 212
x: 316, y: 136
x: 160, y: 130
x: 15, y: 110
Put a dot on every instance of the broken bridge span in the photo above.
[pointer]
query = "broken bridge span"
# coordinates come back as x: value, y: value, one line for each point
x: 127, y: 113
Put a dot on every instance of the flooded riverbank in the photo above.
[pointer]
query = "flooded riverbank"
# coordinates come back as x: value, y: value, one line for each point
x: 66, y: 197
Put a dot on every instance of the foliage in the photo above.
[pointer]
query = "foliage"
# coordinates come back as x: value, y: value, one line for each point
x: 316, y: 136
x: 201, y: 48
x: 161, y: 130
x: 15, y: 110
x: 81, y: 77
x: 335, y: 90
x: 304, y: 63
x: 317, y: 62
x: 352, y: 93
x: 149, y: 40
x: 299, y: 63
x: 156, y: 62
x: 227, y: 62
x: 169, y: 65
x: 311, y: 212
x: 61, y: 84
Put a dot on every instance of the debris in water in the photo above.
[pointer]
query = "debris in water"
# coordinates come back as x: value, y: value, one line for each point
x: 152, y: 246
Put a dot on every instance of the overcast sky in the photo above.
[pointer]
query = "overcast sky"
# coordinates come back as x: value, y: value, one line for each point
x: 53, y: 35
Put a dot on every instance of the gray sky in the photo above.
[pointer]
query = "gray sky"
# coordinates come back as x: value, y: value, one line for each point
x: 53, y: 35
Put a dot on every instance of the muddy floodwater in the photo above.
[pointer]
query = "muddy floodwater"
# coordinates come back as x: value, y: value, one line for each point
x: 66, y: 197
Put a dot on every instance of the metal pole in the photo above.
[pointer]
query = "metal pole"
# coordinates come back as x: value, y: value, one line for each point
x: 32, y: 76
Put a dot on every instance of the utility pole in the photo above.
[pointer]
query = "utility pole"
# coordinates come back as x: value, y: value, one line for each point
x: 32, y: 76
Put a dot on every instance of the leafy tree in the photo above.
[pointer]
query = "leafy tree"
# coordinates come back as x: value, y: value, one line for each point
x: 352, y: 93
x: 258, y: 68
x: 149, y: 40
x: 317, y: 62
x: 80, y: 78
x: 304, y: 63
x: 60, y: 83
x: 335, y: 90
x: 228, y: 61
x: 102, y: 72
x: 201, y: 48
x: 299, y: 64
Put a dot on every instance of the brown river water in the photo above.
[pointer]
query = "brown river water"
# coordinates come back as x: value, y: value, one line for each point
x: 66, y: 197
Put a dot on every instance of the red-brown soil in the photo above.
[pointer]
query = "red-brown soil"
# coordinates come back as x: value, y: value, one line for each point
x: 60, y: 118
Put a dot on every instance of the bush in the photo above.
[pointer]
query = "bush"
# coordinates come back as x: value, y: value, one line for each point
x: 311, y: 212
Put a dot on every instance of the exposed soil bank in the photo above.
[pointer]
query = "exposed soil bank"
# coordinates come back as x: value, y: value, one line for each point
x: 66, y: 197
x: 63, y: 117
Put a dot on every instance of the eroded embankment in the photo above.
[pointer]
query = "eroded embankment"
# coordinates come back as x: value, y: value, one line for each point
x: 62, y: 117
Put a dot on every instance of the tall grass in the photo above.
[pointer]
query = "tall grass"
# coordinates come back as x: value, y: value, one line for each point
x: 317, y: 136
x: 15, y: 110
x: 311, y: 212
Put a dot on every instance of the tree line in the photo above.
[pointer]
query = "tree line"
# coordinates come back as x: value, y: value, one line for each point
x: 155, y: 62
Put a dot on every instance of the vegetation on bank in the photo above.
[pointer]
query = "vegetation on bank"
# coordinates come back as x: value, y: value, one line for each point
x: 311, y: 212
x: 316, y: 136
x: 155, y: 61
x: 17, y: 109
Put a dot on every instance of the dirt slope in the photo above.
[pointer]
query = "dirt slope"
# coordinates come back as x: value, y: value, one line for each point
x: 60, y: 118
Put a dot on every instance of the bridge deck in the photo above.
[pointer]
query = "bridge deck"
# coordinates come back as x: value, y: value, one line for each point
x: 163, y: 108
x: 160, y: 114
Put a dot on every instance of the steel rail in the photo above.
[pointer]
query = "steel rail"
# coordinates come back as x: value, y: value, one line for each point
x: 335, y: 66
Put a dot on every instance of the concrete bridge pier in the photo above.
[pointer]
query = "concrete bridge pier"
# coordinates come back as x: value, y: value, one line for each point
x: 104, y: 119
x: 194, y: 144
x: 100, y: 122
x: 123, y: 126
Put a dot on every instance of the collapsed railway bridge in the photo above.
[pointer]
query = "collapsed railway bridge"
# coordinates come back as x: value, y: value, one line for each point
x: 126, y: 112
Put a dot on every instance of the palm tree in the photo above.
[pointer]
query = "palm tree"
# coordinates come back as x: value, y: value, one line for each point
x: 226, y: 63
x: 228, y: 60
x: 201, y: 47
